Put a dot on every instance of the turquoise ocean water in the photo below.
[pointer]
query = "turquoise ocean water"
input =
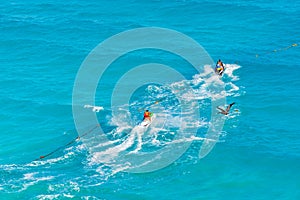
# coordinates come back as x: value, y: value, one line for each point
x: 42, y: 46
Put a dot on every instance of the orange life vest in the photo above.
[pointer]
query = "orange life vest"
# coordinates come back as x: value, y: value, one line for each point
x: 146, y: 114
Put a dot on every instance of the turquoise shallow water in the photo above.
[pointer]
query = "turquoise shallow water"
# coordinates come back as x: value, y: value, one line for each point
x: 43, y: 45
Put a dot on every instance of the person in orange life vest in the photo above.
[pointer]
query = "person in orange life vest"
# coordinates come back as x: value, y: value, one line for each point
x: 219, y: 67
x: 147, y: 115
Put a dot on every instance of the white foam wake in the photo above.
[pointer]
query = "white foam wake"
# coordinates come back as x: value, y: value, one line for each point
x: 171, y: 120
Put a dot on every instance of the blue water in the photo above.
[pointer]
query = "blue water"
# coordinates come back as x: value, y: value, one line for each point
x: 42, y: 47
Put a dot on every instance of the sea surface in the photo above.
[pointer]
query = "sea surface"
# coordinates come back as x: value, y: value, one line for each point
x: 256, y: 154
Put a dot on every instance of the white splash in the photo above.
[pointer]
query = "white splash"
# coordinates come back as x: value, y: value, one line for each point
x: 94, y: 108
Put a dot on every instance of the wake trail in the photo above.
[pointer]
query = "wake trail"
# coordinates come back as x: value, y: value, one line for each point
x: 177, y: 119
